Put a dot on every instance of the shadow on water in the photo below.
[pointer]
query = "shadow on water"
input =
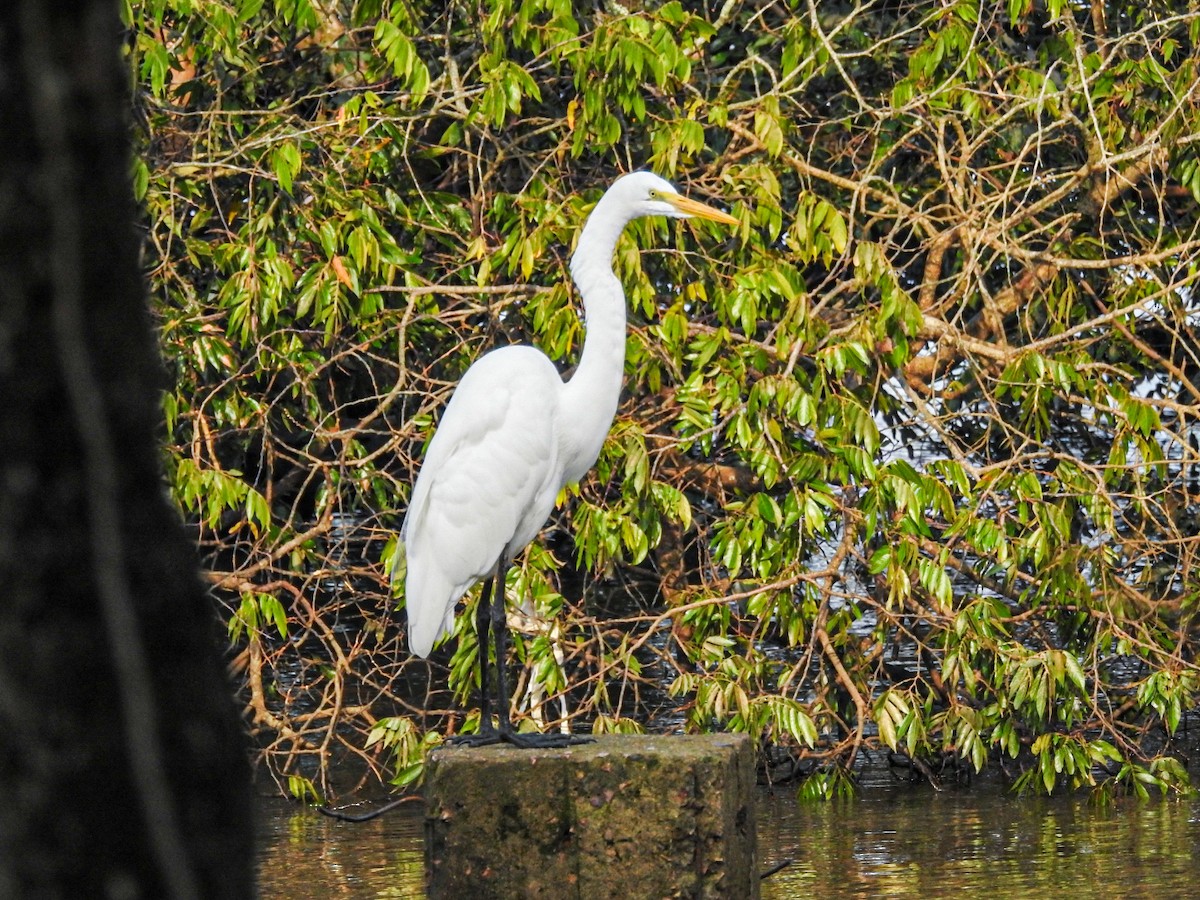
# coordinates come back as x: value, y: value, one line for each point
x: 894, y: 841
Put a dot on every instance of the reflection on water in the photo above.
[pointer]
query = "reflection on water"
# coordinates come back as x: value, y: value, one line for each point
x: 890, y: 841
x: 912, y: 842
x: 303, y: 855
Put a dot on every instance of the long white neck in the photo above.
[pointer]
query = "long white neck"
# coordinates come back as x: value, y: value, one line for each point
x: 590, y: 397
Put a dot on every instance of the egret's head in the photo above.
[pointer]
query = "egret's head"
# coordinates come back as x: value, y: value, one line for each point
x: 645, y: 194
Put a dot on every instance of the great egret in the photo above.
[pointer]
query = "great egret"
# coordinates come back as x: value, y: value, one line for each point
x: 513, y: 434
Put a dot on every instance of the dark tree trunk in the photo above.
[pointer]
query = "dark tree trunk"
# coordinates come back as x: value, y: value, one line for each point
x: 121, y: 759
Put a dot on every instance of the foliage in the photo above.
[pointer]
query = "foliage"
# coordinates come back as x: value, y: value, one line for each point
x: 908, y: 465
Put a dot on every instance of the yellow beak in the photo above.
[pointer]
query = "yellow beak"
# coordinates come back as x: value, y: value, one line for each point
x: 699, y: 210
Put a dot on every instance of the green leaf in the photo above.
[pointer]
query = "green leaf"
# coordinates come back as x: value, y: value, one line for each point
x: 285, y: 163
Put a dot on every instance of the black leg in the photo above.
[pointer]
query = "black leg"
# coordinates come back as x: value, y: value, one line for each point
x: 529, y: 740
x: 491, y: 612
x: 483, y: 620
x: 500, y: 635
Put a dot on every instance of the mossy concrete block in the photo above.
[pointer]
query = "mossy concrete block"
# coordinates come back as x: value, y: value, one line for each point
x: 628, y: 816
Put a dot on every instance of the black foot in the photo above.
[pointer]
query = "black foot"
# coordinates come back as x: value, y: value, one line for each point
x: 535, y: 741
x: 482, y: 739
x: 526, y: 741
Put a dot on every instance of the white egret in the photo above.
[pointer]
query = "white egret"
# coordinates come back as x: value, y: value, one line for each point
x: 513, y: 434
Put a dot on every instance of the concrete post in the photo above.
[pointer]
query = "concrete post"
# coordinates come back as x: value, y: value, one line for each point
x: 629, y: 816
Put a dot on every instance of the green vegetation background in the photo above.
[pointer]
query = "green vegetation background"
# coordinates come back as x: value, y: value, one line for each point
x: 906, y: 469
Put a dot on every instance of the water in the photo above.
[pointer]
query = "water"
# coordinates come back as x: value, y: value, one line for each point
x: 892, y: 840
x: 303, y: 855
x: 912, y: 842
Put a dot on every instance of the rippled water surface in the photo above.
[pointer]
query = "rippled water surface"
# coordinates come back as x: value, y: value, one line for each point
x: 891, y: 841
x: 912, y: 842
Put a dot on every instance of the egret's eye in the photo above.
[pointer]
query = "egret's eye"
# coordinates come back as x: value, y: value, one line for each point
x: 654, y: 193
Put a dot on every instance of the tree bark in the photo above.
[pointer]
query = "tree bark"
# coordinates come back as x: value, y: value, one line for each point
x: 121, y: 756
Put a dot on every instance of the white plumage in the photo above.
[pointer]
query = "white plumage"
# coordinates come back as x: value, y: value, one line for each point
x: 486, y: 487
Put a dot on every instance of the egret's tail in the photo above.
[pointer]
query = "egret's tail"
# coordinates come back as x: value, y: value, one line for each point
x: 430, y: 601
